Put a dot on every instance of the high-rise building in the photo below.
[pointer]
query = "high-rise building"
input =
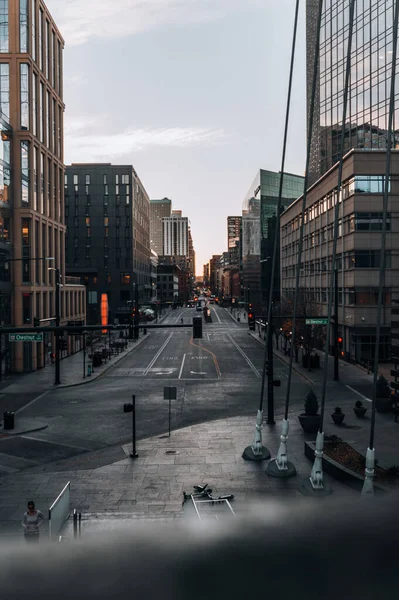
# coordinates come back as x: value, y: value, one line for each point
x: 259, y: 208
x: 108, y: 242
x: 175, y: 235
x: 367, y: 113
x: 233, y: 231
x: 158, y: 210
x: 191, y: 255
x: 32, y: 226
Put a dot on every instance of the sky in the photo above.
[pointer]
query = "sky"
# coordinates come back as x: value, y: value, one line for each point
x: 192, y: 93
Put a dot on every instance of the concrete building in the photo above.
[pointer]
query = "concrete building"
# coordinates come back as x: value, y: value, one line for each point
x: 158, y: 210
x: 367, y: 113
x: 108, y: 241
x: 175, y: 235
x: 233, y: 231
x: 32, y: 226
x: 191, y: 257
x: 168, y: 283
x: 358, y: 251
x: 214, y: 274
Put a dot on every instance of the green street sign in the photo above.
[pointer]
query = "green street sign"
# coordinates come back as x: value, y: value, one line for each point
x: 316, y: 321
x: 25, y: 337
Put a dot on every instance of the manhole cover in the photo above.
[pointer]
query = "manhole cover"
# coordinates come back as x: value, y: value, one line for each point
x: 171, y: 452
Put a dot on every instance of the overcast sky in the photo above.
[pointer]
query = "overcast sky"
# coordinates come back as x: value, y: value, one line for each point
x: 191, y: 92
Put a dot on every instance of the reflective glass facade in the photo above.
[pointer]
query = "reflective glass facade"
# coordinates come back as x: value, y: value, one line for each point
x: 367, y: 113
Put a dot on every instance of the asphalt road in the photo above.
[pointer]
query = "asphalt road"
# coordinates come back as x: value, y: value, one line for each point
x: 217, y: 376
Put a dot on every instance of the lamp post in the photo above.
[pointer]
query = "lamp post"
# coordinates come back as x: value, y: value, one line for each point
x: 57, y: 323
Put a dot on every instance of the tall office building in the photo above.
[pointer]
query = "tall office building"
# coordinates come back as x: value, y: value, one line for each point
x: 191, y: 255
x: 158, y: 210
x: 175, y: 235
x: 108, y: 241
x: 32, y: 227
x: 259, y: 209
x: 367, y: 114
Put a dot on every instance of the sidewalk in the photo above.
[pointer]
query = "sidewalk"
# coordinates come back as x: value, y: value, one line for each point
x: 71, y: 368
x: 151, y: 485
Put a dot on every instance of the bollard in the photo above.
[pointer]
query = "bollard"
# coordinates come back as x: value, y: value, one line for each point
x: 88, y: 370
x: 75, y: 523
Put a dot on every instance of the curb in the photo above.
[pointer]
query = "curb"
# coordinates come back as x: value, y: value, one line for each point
x: 91, y: 379
x: 311, y: 381
x: 14, y: 432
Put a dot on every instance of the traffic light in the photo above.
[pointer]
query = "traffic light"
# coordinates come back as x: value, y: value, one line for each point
x: 340, y: 342
x: 36, y: 322
x: 251, y: 320
x: 197, y: 327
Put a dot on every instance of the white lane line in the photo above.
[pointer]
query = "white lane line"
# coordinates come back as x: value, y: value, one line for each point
x: 358, y: 393
x: 182, y: 366
x: 241, y: 351
x: 31, y: 402
x: 217, y: 316
x: 158, y: 354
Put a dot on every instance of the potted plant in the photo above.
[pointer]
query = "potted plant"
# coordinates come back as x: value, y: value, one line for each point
x: 310, y: 419
x: 338, y: 416
x: 359, y: 409
x: 383, y: 395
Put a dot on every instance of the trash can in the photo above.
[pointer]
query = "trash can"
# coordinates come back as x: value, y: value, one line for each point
x: 8, y: 420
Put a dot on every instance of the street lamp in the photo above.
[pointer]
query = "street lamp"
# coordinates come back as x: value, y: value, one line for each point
x: 57, y: 323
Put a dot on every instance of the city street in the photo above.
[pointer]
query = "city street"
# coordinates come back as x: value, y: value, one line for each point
x: 218, y: 376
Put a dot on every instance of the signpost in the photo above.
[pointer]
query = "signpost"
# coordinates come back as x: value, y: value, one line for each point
x: 25, y: 337
x: 316, y: 321
x: 169, y: 393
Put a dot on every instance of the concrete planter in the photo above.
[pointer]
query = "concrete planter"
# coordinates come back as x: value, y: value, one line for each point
x: 310, y: 423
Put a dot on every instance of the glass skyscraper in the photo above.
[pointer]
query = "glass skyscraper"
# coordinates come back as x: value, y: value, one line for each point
x: 368, y: 103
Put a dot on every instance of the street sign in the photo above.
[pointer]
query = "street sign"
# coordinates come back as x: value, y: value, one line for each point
x: 169, y: 393
x: 316, y: 321
x: 25, y: 337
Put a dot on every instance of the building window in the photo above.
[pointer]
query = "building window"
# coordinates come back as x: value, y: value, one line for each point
x: 106, y: 232
x: 87, y: 221
x: 5, y: 89
x: 26, y: 309
x: 47, y: 65
x: 41, y: 112
x: 125, y: 179
x: 23, y: 25
x: 25, y: 179
x: 87, y: 179
x: 25, y: 224
x: 54, y: 126
x: 33, y: 20
x: 105, y: 190
x: 127, y: 200
x: 40, y: 39
x: 48, y: 120
x: 24, y: 95
x: 106, y: 221
x: 76, y: 180
x: 42, y: 183
x: 35, y: 176
x: 116, y: 179
x: 34, y: 103
x: 105, y: 200
x: 368, y: 222
x: 4, y: 26
x: 54, y: 49
x: 125, y: 279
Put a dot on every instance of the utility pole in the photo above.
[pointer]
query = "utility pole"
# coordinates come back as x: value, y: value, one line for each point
x: 270, y: 384
x: 57, y: 324
x: 336, y: 374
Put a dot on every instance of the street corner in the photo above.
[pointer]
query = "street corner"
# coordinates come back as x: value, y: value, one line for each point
x: 22, y: 425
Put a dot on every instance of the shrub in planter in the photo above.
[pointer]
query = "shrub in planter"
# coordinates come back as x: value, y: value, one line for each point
x: 359, y: 409
x: 310, y: 419
x: 338, y: 416
x: 383, y: 400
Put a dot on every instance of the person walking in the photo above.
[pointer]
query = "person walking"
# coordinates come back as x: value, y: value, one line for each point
x: 31, y: 522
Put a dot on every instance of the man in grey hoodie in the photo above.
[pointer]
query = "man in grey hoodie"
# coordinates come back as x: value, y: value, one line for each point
x: 31, y: 522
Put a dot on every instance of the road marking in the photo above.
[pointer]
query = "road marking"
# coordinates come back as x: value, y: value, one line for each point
x: 31, y: 402
x: 197, y: 373
x: 241, y: 351
x: 158, y: 354
x: 215, y: 360
x: 182, y: 365
x: 217, y: 316
x: 358, y: 393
